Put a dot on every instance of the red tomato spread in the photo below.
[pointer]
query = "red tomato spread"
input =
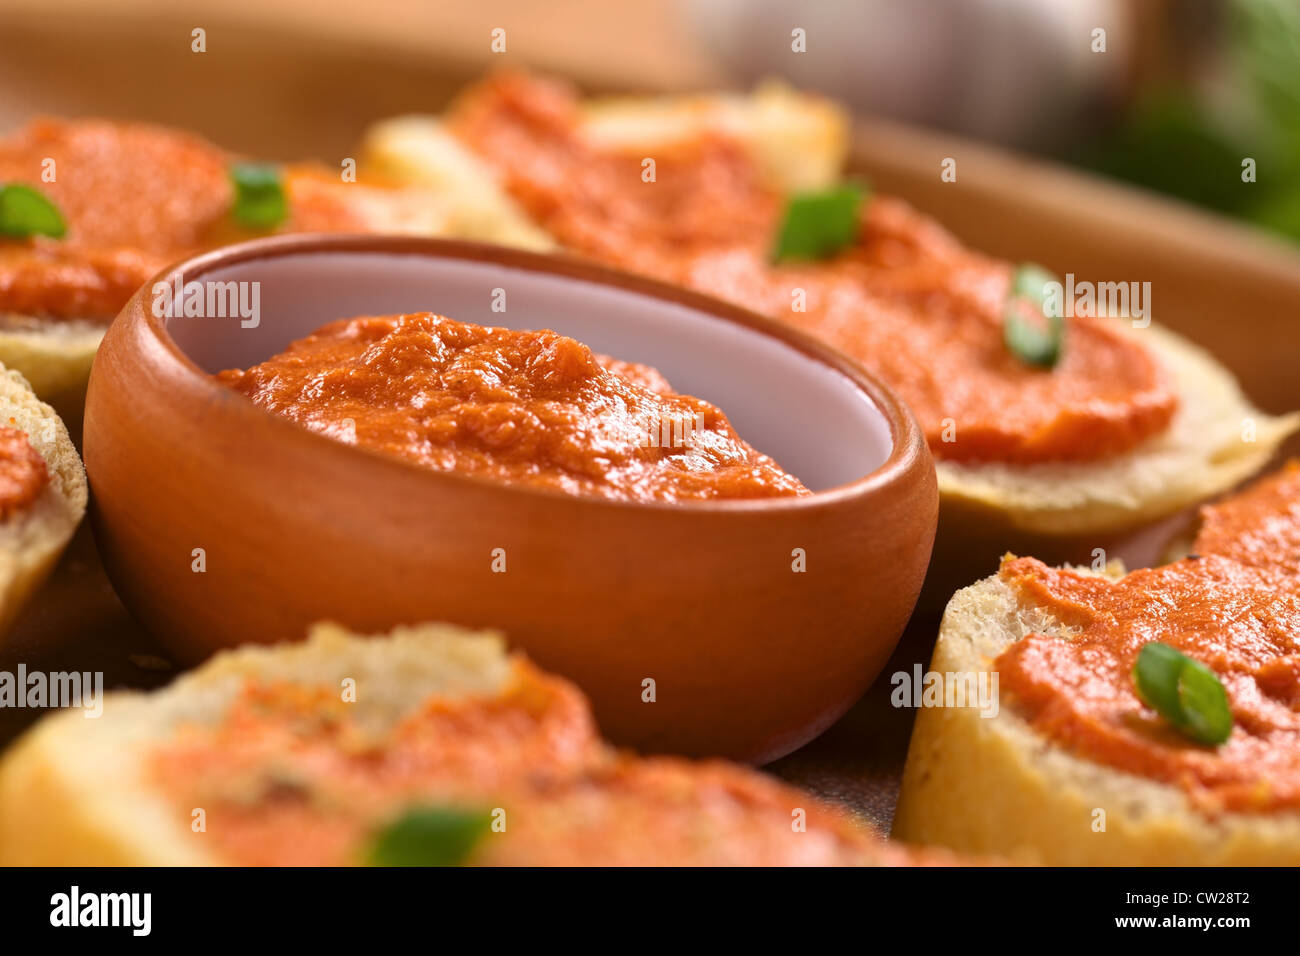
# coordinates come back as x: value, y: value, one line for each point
x: 23, y: 473
x: 1233, y: 605
x: 135, y: 198
x: 528, y: 408
x: 289, y: 777
x: 907, y: 301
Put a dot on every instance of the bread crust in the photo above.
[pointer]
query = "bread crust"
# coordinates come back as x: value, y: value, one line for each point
x: 32, y: 539
x: 993, y: 785
x: 54, y: 356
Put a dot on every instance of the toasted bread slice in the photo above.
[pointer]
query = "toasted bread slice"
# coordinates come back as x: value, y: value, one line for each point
x: 55, y: 354
x: 994, y: 785
x: 1058, y: 511
x: 285, y: 769
x: 1068, y: 512
x: 32, y: 538
x: 799, y: 142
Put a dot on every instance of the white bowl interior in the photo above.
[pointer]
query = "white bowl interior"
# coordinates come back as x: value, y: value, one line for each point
x: 811, y: 418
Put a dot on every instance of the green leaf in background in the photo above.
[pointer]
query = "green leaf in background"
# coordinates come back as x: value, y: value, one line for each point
x: 1265, y: 42
x: 1184, y: 692
x: 260, y: 199
x: 1030, y: 342
x: 25, y: 212
x: 817, y: 225
x: 1186, y: 144
x: 430, y: 836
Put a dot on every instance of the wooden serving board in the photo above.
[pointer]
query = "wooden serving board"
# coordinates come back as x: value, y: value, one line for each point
x: 290, y: 90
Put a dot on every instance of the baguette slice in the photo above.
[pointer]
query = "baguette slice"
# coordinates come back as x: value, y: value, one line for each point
x: 55, y: 354
x: 994, y: 785
x: 1127, y: 506
x: 92, y: 791
x: 1060, y: 512
x: 798, y: 141
x: 32, y: 539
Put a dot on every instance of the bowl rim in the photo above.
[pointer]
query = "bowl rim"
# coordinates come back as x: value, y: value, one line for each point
x: 907, y: 443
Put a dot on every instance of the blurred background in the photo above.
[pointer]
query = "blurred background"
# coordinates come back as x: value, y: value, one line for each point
x: 1172, y: 97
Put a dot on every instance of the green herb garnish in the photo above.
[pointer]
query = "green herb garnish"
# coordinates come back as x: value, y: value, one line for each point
x: 1030, y: 342
x: 260, y: 200
x: 430, y: 836
x: 1184, y: 692
x: 819, y: 224
x: 24, y: 212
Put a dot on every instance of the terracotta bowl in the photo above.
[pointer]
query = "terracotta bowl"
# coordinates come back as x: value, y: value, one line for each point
x: 750, y: 658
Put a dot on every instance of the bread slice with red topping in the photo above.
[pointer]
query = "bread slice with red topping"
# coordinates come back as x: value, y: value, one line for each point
x: 430, y: 744
x: 1078, y: 766
x: 1108, y: 469
x: 42, y: 493
x: 134, y: 198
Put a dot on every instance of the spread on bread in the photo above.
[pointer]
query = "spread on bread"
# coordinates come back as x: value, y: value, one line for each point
x: 134, y: 198
x: 907, y: 300
x: 528, y: 408
x: 1233, y: 605
x: 23, y: 472
x: 426, y: 746
x: 290, y: 777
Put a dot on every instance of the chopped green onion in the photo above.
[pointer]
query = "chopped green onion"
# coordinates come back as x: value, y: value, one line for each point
x: 430, y: 836
x: 1183, y: 691
x: 24, y: 212
x: 819, y: 224
x: 260, y: 200
x: 1030, y: 342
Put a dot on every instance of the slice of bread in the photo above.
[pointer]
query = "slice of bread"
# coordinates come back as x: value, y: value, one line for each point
x: 1061, y: 512
x: 993, y: 785
x: 55, y: 357
x: 32, y: 538
x: 1068, y: 512
x: 78, y: 791
x: 461, y: 202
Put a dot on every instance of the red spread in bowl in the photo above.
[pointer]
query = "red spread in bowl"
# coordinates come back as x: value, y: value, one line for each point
x: 528, y: 408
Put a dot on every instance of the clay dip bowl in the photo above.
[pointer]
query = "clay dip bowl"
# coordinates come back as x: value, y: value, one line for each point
x: 741, y: 628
